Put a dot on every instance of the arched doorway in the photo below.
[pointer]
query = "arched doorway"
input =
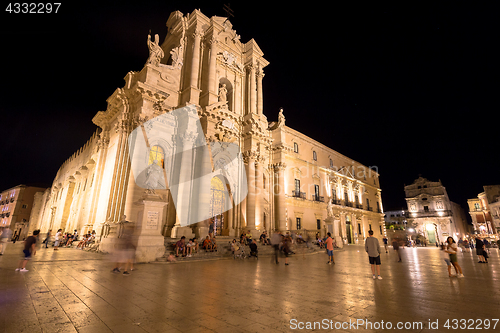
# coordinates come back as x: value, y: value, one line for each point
x: 218, y: 199
x: 348, y: 227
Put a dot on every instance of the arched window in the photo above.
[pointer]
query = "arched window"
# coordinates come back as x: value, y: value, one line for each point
x: 331, y: 163
x: 295, y: 147
x: 315, y: 157
x: 157, y: 156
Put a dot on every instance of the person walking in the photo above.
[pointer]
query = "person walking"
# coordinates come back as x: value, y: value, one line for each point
x: 29, y: 250
x: 329, y: 249
x: 480, y: 250
x: 57, y: 239
x: 372, y: 247
x: 287, y: 244
x: 452, y: 250
x: 4, y: 239
x: 47, y: 239
x: 385, y: 244
x: 275, y: 242
x: 395, y: 246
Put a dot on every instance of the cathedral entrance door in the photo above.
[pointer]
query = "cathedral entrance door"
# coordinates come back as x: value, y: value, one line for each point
x: 348, y: 232
x: 431, y: 236
x: 217, y: 204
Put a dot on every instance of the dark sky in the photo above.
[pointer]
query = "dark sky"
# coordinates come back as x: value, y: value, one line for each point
x: 407, y: 87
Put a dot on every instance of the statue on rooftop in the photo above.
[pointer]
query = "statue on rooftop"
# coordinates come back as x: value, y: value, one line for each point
x: 155, y: 51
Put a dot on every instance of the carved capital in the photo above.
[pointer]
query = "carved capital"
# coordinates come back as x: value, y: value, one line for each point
x: 279, y: 166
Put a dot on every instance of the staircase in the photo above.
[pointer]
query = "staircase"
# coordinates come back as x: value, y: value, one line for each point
x: 224, y: 250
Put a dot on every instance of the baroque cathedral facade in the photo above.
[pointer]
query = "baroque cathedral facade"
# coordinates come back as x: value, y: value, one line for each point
x: 294, y: 182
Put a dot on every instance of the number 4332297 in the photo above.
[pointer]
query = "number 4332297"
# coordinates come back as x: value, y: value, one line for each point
x: 32, y: 8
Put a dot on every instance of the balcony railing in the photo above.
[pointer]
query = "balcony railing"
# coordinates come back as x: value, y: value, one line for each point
x: 442, y: 213
x: 318, y: 198
x: 298, y: 194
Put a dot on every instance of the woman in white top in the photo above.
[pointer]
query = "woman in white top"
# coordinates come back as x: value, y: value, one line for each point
x: 452, y: 250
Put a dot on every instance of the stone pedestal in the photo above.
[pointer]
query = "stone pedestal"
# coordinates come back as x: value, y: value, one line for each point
x: 178, y: 232
x: 332, y: 227
x: 201, y: 232
x: 150, y: 241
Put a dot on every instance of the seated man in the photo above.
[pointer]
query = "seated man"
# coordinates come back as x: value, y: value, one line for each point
x: 263, y: 238
x: 248, y: 237
x: 253, y: 249
x: 192, y: 246
x: 207, y: 244
x: 181, y: 246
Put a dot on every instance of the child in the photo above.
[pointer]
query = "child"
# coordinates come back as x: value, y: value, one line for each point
x: 171, y: 257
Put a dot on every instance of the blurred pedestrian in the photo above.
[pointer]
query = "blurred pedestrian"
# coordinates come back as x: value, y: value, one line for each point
x: 480, y: 250
x: 395, y: 246
x: 385, y: 243
x: 372, y: 247
x: 275, y: 241
x: 47, y: 239
x: 57, y: 239
x: 28, y: 251
x: 5, y: 238
x: 125, y: 250
x: 287, y: 243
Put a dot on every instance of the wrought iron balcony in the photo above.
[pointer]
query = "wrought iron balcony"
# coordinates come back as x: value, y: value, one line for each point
x: 297, y: 194
x: 318, y: 198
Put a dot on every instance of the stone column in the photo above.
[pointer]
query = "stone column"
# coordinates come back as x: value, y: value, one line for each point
x: 194, y: 91
x: 195, y: 61
x: 182, y: 192
x: 279, y: 196
x: 260, y: 101
x: 250, y: 171
x: 259, y: 194
x: 96, y: 182
x: 252, y: 90
x: 212, y: 84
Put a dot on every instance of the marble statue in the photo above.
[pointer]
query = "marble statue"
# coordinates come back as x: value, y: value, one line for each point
x: 222, y: 93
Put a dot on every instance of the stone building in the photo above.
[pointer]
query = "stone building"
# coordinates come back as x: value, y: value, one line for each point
x: 485, y: 211
x: 396, y: 218
x: 16, y: 205
x: 294, y: 182
x: 431, y: 212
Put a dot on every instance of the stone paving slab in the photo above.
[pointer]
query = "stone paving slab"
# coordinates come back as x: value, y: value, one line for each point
x: 74, y: 291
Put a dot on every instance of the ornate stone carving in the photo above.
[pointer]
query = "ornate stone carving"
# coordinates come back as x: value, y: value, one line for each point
x: 279, y: 166
x: 155, y: 51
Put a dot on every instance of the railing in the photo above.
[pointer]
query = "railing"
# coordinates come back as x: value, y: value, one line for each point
x: 318, y: 198
x: 442, y: 213
x: 297, y: 194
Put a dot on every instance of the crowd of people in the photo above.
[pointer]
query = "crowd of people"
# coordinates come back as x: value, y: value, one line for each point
x: 124, y: 253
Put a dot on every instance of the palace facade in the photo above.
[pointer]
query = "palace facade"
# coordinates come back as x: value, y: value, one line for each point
x: 432, y: 213
x: 294, y: 182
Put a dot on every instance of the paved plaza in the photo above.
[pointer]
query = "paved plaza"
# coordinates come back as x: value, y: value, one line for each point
x: 74, y: 291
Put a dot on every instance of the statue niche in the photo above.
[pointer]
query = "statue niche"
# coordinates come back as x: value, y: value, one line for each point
x: 225, y: 93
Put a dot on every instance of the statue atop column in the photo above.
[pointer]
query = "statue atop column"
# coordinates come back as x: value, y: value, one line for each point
x: 155, y: 51
x: 329, y: 208
x: 223, y: 93
x: 281, y: 118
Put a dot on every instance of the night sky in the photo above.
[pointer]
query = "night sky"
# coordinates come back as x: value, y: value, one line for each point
x: 408, y: 87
